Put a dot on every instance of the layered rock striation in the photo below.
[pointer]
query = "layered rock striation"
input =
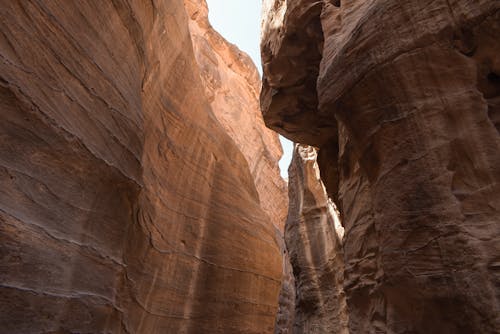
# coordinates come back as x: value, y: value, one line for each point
x: 402, y: 100
x: 125, y: 207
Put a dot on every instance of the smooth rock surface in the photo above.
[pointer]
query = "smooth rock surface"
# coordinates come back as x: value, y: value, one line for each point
x: 411, y: 152
x: 124, y: 205
x: 313, y: 236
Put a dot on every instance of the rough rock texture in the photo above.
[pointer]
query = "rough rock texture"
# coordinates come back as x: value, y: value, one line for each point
x: 402, y: 98
x: 124, y: 205
x: 292, y: 42
x: 232, y: 85
x: 313, y: 235
x: 285, y: 317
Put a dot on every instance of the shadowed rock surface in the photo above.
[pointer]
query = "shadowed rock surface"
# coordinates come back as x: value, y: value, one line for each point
x: 285, y: 317
x: 401, y: 97
x: 124, y: 205
x: 313, y: 237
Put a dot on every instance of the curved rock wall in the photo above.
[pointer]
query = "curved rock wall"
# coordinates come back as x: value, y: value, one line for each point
x: 124, y: 206
x: 232, y: 86
x: 409, y: 151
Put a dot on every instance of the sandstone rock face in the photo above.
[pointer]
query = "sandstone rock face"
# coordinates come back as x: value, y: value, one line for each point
x: 232, y: 85
x: 410, y: 149
x: 285, y: 317
x: 313, y: 237
x: 124, y: 205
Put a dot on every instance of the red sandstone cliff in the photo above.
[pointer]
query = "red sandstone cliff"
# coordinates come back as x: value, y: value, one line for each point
x: 401, y: 97
x: 232, y: 86
x: 124, y: 205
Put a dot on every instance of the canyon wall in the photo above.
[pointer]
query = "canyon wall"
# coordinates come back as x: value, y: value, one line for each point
x: 285, y: 316
x: 402, y: 100
x: 313, y: 237
x: 125, y: 206
x: 232, y: 86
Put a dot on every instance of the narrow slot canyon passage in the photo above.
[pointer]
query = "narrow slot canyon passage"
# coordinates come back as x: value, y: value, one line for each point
x: 237, y: 166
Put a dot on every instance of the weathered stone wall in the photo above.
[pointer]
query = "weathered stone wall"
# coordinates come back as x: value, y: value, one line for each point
x: 401, y: 97
x: 232, y: 86
x: 313, y: 237
x: 124, y: 205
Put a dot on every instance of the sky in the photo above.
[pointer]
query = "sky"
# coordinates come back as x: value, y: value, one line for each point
x: 239, y: 22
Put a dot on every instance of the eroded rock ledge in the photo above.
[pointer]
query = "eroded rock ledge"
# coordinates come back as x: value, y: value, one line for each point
x: 402, y: 101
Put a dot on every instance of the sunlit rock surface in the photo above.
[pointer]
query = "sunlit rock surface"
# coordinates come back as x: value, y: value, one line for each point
x: 232, y: 85
x: 313, y: 235
x: 124, y: 205
x: 401, y: 97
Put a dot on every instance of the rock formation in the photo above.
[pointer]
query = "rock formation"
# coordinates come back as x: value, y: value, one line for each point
x: 124, y: 205
x: 402, y: 99
x: 232, y: 85
x: 285, y: 316
x: 313, y: 237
